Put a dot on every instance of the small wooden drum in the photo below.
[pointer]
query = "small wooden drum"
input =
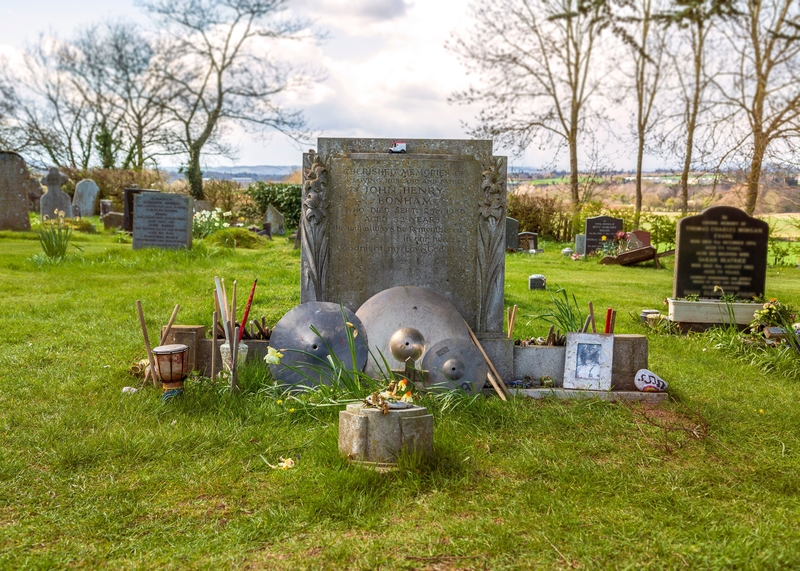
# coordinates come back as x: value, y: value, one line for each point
x: 172, y: 362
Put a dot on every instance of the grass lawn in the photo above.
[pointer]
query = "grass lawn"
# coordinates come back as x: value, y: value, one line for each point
x: 91, y: 477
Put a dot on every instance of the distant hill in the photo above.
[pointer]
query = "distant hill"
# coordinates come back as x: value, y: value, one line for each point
x: 255, y: 172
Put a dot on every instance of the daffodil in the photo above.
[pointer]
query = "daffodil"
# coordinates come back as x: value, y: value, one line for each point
x: 286, y: 463
x: 407, y: 397
x: 273, y: 356
x: 402, y: 385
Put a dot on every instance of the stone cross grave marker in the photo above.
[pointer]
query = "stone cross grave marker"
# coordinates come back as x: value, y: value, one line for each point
x: 162, y: 221
x: 599, y: 226
x: 276, y: 220
x: 55, y: 200
x: 512, y: 233
x: 433, y: 216
x: 724, y: 247
x: 528, y: 240
x: 85, y: 199
x: 13, y: 192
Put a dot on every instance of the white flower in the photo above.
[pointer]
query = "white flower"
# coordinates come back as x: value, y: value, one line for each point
x: 273, y: 356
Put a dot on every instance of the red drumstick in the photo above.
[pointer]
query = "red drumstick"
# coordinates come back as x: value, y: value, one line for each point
x: 247, y: 308
x: 608, y: 320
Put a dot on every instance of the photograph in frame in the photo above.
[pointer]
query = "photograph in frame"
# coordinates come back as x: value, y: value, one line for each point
x: 589, y: 361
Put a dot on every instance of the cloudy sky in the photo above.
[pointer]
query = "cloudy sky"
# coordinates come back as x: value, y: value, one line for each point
x: 387, y: 71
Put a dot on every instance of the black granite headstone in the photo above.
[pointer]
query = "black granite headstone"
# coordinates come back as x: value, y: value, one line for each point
x: 598, y: 227
x: 162, y: 221
x: 722, y: 247
x: 512, y: 233
x: 127, y: 198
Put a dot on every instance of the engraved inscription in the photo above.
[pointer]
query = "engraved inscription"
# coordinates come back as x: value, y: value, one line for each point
x: 726, y: 250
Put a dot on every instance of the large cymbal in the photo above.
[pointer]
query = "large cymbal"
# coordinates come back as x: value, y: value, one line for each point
x: 422, y: 309
x: 455, y: 363
x: 308, y: 352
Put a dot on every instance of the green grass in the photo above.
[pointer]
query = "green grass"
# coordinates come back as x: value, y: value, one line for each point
x: 93, y: 478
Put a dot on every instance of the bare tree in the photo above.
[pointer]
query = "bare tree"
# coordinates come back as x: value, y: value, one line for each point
x: 51, y: 117
x: 696, y: 20
x: 764, y: 79
x: 648, y: 56
x: 111, y: 65
x: 537, y: 63
x: 215, y: 66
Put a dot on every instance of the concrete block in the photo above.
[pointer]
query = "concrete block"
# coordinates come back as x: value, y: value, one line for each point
x: 500, y: 350
x: 540, y: 361
x: 612, y: 396
x: 630, y: 355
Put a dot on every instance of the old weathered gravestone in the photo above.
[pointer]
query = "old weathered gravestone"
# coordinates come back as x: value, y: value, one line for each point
x: 512, y: 233
x: 106, y: 206
x: 599, y: 227
x: 431, y: 217
x: 112, y: 220
x: 86, y: 196
x: 580, y: 244
x: 275, y: 219
x: 529, y: 241
x: 13, y: 193
x: 724, y: 247
x: 162, y: 221
x: 55, y: 200
x: 35, y: 192
x: 128, y: 195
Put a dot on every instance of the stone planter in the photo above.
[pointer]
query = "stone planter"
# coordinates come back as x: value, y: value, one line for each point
x: 710, y: 312
x: 367, y: 435
x: 630, y: 355
x: 540, y: 361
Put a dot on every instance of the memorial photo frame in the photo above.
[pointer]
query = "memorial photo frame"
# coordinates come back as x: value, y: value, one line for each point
x: 589, y: 361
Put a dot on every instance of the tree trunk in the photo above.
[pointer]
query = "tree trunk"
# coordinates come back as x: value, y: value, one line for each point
x: 574, y: 183
x: 754, y: 176
x: 637, y: 209
x: 194, y: 175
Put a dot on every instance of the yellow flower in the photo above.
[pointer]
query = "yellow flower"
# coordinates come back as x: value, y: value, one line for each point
x: 604, y: 238
x: 291, y: 410
x: 402, y: 385
x: 349, y: 324
x: 761, y: 411
x: 273, y: 356
x: 407, y: 397
x: 279, y: 401
x: 285, y: 464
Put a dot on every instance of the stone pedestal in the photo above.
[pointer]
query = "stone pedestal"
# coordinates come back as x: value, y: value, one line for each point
x: 630, y: 355
x: 500, y: 350
x: 367, y: 435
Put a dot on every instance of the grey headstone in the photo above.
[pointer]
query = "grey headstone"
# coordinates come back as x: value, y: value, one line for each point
x: 580, y: 244
x: 724, y: 247
x: 431, y: 217
x: 106, y: 206
x: 128, y: 195
x: 162, y: 221
x: 537, y: 281
x: 112, y: 220
x: 86, y: 196
x: 55, y: 200
x: 512, y: 233
x: 275, y: 219
x: 598, y: 227
x: 13, y: 193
